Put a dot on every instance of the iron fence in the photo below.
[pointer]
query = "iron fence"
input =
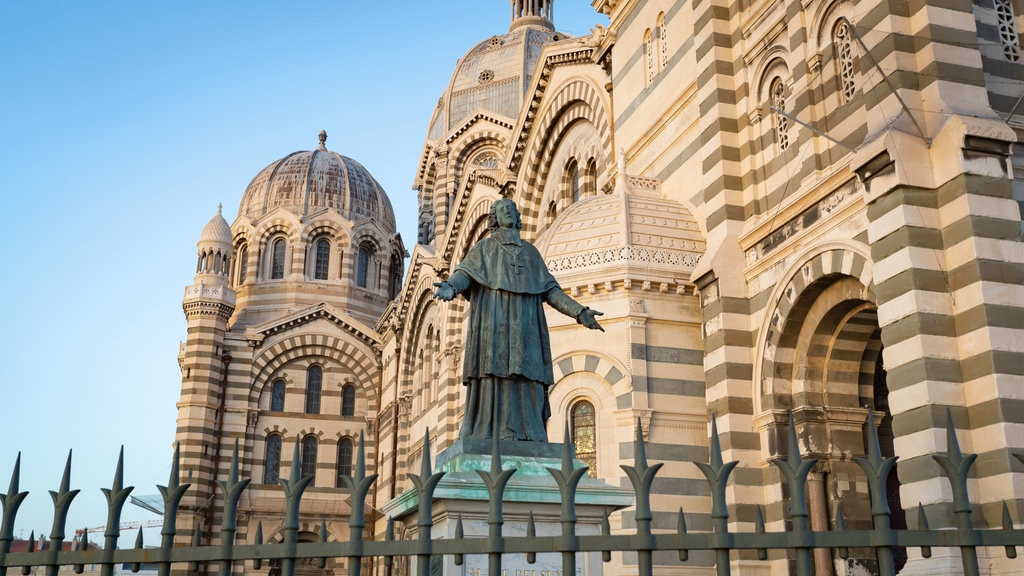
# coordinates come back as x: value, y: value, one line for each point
x: 800, y: 539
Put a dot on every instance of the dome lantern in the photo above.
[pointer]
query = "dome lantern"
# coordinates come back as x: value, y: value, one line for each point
x: 535, y: 12
x: 214, y: 247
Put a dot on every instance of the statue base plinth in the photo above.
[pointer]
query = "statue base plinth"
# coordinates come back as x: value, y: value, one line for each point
x: 461, y: 493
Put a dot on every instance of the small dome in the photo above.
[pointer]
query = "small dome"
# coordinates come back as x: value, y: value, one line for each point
x: 653, y: 238
x: 216, y: 231
x: 306, y: 182
x: 494, y: 75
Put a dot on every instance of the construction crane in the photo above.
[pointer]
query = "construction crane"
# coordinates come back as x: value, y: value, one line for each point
x: 121, y: 526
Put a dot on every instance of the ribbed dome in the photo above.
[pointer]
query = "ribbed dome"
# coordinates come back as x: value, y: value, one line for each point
x: 649, y: 235
x: 493, y: 75
x: 305, y: 182
x: 217, y: 231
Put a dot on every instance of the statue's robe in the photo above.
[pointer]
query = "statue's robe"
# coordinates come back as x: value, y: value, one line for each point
x: 507, y: 349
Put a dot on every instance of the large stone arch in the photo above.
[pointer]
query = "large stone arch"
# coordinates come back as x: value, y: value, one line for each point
x: 357, y: 358
x: 577, y: 100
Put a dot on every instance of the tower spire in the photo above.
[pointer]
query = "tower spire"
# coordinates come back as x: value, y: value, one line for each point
x: 535, y: 12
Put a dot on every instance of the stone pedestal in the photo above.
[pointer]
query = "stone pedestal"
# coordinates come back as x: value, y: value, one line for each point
x: 463, y: 494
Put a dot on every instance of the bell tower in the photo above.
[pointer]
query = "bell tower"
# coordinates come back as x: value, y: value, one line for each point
x: 208, y: 304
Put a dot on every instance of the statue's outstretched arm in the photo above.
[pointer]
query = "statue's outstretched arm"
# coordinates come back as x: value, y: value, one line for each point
x: 562, y: 302
x: 457, y: 283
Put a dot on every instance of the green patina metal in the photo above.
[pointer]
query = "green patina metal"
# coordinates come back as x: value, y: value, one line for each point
x: 229, y: 554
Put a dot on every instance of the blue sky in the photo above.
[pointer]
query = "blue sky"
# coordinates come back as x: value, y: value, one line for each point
x: 122, y: 125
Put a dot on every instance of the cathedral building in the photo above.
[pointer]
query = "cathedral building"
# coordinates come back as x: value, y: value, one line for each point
x: 783, y: 209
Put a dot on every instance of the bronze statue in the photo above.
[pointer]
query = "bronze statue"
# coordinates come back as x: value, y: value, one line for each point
x: 507, y: 366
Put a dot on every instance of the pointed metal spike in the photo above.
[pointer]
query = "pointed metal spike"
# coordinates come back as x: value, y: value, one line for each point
x: 716, y: 446
x: 922, y: 524
x: 874, y: 447
x: 65, y: 481
x: 684, y: 554
x: 459, y: 535
x: 531, y: 533
x: 606, y: 530
x: 118, y: 484
x: 793, y: 456
x: 425, y: 463
x: 640, y: 455
x: 361, y: 457
x: 31, y: 541
x: 495, y: 456
x: 257, y: 563
x: 762, y: 553
x: 843, y: 551
x: 566, y: 449
x: 233, y: 474
x: 952, y: 444
x: 138, y: 539
x: 174, y: 479
x: 15, y: 476
x: 295, y: 474
x: 1011, y: 551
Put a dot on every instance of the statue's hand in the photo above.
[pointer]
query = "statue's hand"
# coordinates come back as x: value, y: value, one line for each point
x: 588, y: 318
x: 445, y: 291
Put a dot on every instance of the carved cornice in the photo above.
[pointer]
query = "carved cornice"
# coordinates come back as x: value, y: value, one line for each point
x: 255, y: 336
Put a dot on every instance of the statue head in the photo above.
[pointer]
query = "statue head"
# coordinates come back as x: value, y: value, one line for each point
x: 504, y: 214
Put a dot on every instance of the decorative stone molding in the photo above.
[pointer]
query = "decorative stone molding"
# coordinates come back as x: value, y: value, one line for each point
x: 625, y: 254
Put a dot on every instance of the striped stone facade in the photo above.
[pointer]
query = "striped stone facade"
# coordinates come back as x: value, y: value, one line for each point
x: 808, y: 208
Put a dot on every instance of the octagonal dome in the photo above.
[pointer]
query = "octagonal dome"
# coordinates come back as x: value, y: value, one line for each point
x: 494, y: 75
x: 643, y: 235
x: 308, y: 181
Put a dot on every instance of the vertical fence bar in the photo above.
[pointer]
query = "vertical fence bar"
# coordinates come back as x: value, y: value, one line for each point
x: 61, y: 504
x: 425, y: 483
x: 877, y: 470
x: 717, y: 474
x: 294, y: 486
x: 358, y: 485
x: 232, y: 489
x: 795, y: 469
x: 495, y: 480
x: 11, y: 501
x: 568, y: 480
x: 172, y: 494
x: 117, y: 495
x: 957, y: 467
x: 642, y: 477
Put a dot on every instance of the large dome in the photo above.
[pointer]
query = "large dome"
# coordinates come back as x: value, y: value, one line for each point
x: 495, y: 74
x: 306, y: 182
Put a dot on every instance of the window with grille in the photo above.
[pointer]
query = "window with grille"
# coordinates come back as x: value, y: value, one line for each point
x: 842, y: 41
x: 323, y: 259
x: 395, y: 282
x: 363, y: 266
x: 663, y: 40
x: 778, y: 95
x: 243, y: 263
x: 308, y: 458
x: 344, y: 460
x: 583, y: 423
x: 348, y: 400
x: 272, y: 460
x: 649, y: 55
x: 1008, y: 35
x: 277, y: 259
x: 277, y: 396
x: 314, y: 385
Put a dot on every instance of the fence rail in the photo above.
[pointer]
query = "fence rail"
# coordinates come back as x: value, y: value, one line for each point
x: 799, y: 539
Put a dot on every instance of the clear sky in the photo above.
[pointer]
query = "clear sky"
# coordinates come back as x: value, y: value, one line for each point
x: 122, y: 125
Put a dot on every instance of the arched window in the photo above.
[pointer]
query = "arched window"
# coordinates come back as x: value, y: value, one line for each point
x: 590, y: 178
x: 572, y: 180
x: 842, y: 42
x: 272, y: 460
x: 1008, y: 35
x: 277, y: 396
x: 277, y: 259
x: 344, y: 460
x: 364, y: 267
x: 663, y: 40
x: 778, y: 99
x: 314, y: 385
x: 552, y: 212
x: 308, y: 461
x: 322, y: 258
x: 395, y: 276
x: 649, y: 55
x: 583, y: 423
x: 348, y: 400
x: 243, y: 263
